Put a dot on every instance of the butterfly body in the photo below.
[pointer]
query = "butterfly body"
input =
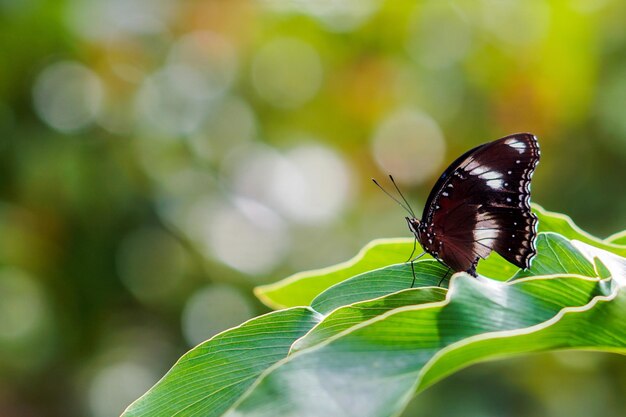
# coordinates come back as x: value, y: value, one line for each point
x: 481, y: 203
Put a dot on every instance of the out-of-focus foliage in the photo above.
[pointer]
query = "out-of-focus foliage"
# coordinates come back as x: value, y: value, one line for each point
x: 160, y: 158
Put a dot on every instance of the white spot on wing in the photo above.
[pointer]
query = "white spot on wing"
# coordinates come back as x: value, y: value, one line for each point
x: 471, y: 164
x: 491, y: 175
x: 518, y: 145
x: 495, y: 184
x: 479, y: 170
x: 493, y: 178
x: 485, y: 221
x: 485, y: 233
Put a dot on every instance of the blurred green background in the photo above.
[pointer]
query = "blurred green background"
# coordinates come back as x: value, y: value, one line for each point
x: 159, y: 158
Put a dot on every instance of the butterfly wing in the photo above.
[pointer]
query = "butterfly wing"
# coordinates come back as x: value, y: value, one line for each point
x: 482, y: 203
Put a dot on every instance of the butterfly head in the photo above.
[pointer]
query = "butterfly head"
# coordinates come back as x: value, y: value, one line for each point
x: 414, y: 226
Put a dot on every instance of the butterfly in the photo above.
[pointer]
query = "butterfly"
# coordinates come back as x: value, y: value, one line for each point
x: 480, y: 204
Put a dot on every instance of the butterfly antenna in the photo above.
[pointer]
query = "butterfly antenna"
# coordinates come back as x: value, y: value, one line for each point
x: 401, y: 195
x: 393, y: 198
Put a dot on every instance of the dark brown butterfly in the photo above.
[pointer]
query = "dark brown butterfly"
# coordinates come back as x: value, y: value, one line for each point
x: 481, y: 203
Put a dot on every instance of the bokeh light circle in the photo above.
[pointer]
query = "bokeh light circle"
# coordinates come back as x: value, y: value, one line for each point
x: 438, y: 36
x: 589, y: 6
x: 68, y: 96
x: 516, y: 22
x: 245, y: 234
x: 313, y: 186
x: 213, y: 309
x: 116, y: 385
x: 23, y: 306
x: 342, y: 15
x: 151, y: 264
x: 251, y: 171
x: 334, y: 15
x: 308, y: 184
x: 173, y: 101
x: 409, y: 145
x: 211, y: 56
x: 287, y: 72
x: 231, y: 123
x: 114, y: 19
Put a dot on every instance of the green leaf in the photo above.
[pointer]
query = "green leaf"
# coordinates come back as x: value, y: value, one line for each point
x: 368, y: 343
x: 300, y: 289
x: 383, y: 281
x: 347, y: 316
x: 212, y: 376
x: 598, y: 326
x: 556, y: 255
x: 372, y: 369
x: 563, y: 225
x: 617, y: 239
x: 496, y: 267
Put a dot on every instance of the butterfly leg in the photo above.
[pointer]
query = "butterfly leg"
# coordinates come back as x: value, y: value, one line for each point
x: 472, y: 269
x: 444, y: 277
x: 412, y: 267
x: 413, y: 251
